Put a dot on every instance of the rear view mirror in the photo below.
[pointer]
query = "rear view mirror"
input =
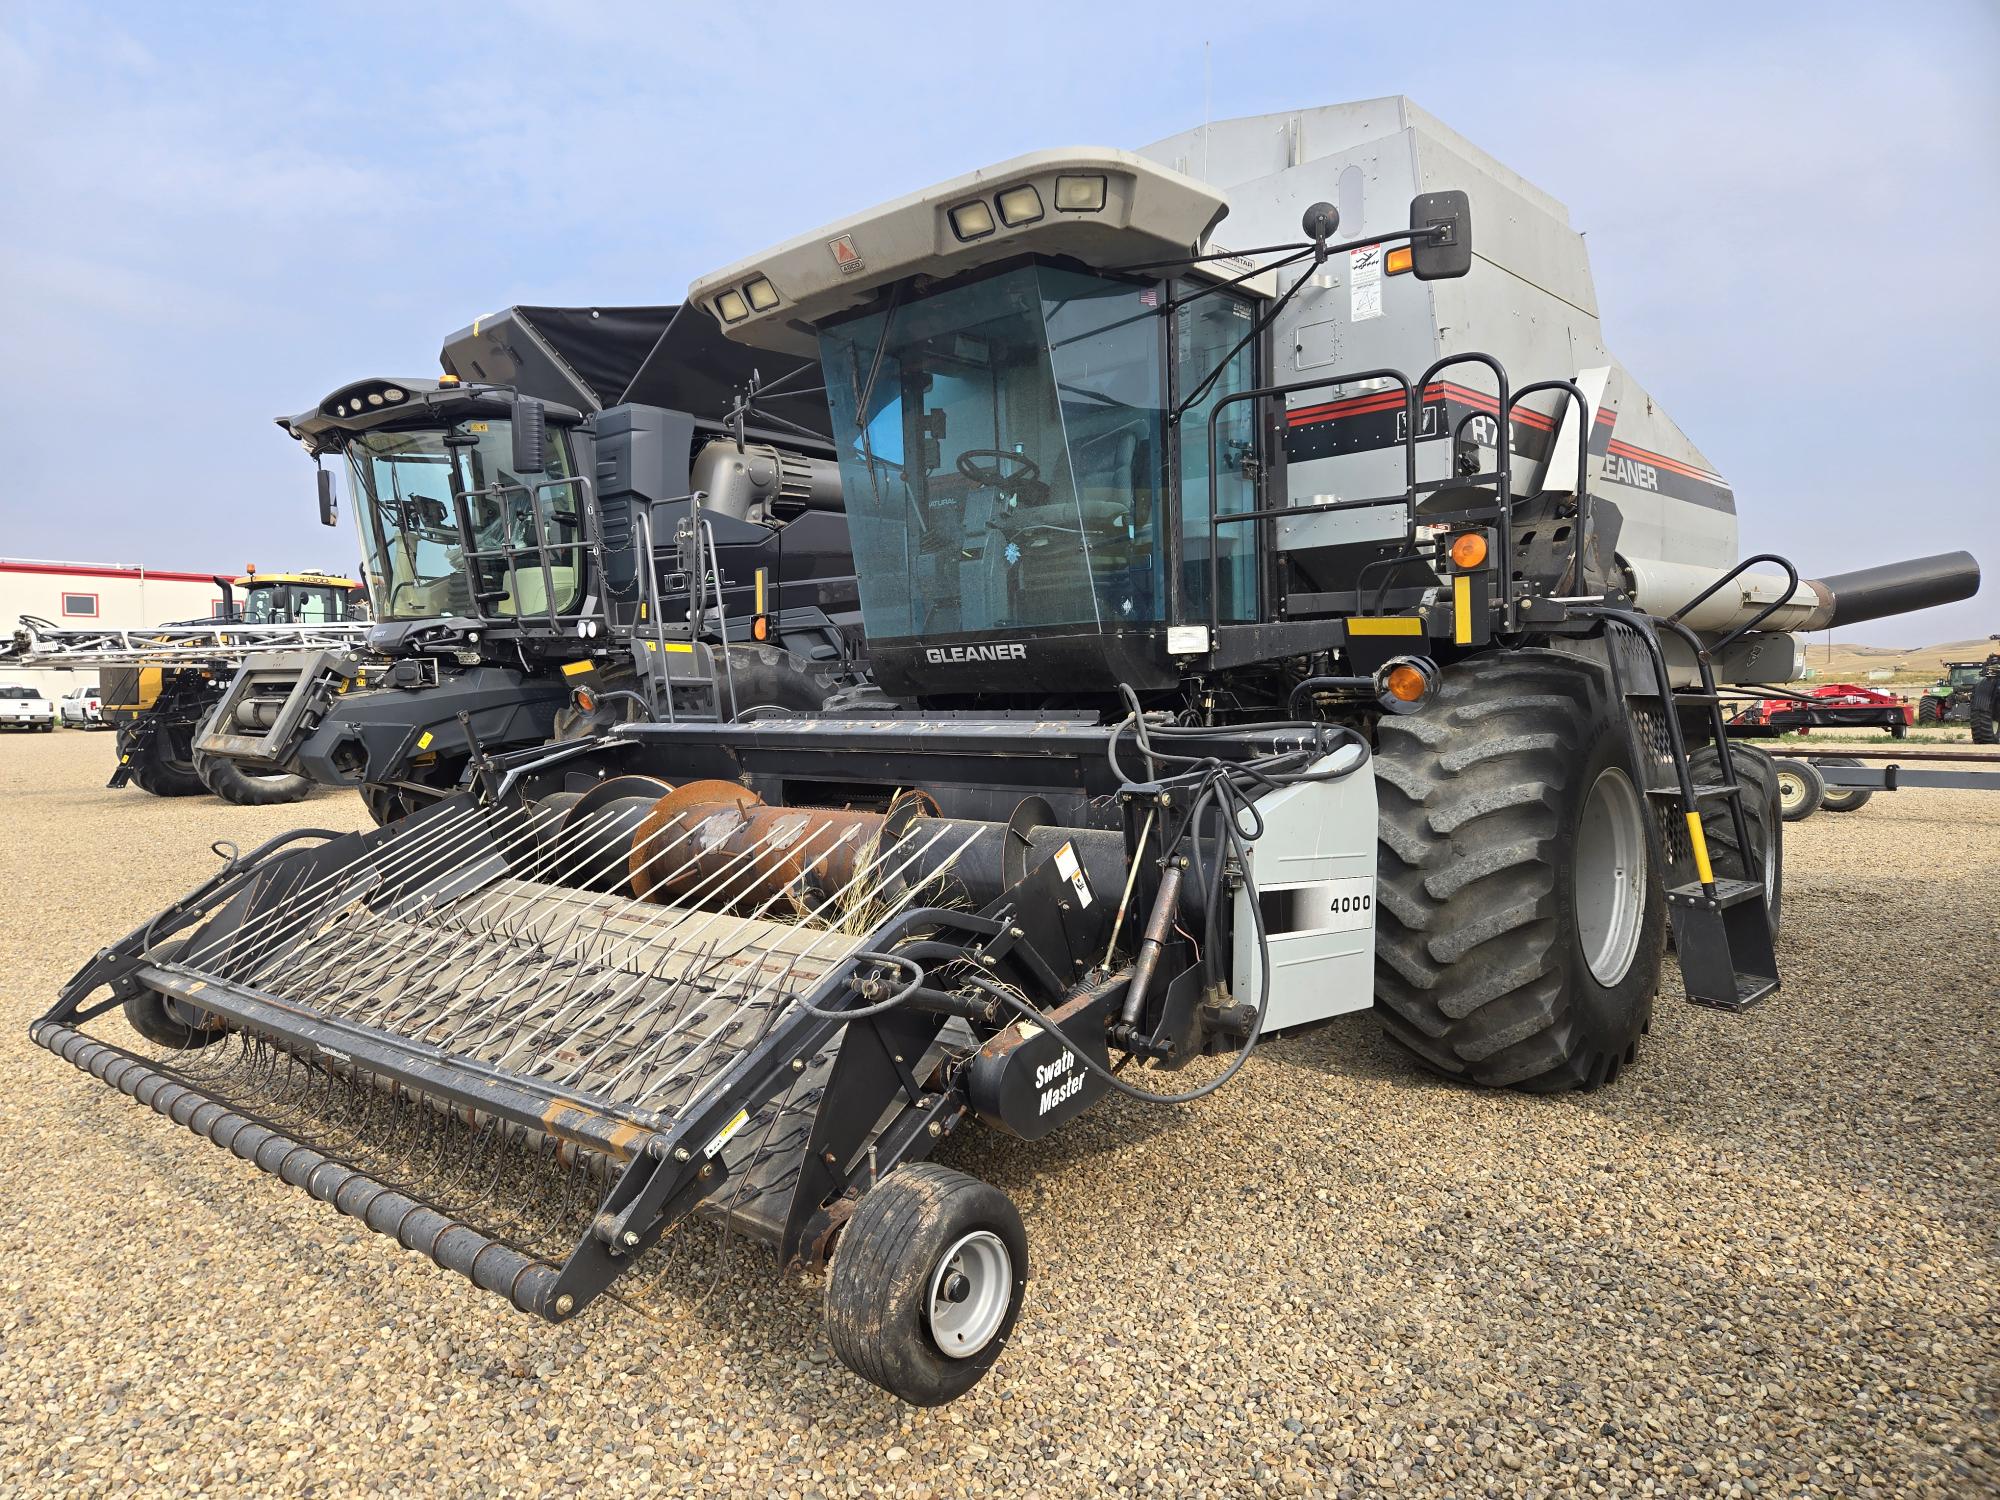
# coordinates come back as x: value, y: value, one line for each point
x: 1448, y: 253
x: 531, y: 436
x: 329, y: 508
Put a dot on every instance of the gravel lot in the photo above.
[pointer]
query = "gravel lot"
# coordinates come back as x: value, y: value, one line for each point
x: 1762, y: 1263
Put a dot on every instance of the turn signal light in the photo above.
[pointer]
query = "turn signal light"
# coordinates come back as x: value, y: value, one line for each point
x: 1401, y: 259
x: 1468, y: 551
x: 760, y: 628
x: 586, y: 700
x: 1404, y: 683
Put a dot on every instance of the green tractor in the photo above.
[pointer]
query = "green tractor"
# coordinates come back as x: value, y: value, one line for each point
x: 1969, y: 692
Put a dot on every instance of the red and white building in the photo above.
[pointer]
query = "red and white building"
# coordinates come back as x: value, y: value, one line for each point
x: 113, y: 596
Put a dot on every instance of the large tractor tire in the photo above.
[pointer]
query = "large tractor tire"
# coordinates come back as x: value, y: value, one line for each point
x: 1520, y: 916
x: 1763, y: 811
x: 1985, y: 710
x: 232, y: 783
x: 160, y: 759
x: 1930, y: 710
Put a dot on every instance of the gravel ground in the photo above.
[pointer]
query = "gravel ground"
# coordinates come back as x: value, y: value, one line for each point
x: 1762, y: 1263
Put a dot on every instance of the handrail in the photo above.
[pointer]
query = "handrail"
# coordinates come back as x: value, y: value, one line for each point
x: 1410, y: 405
x: 1581, y: 536
x: 1791, y: 588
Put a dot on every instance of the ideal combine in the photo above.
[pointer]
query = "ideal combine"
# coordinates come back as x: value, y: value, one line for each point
x: 1264, y: 629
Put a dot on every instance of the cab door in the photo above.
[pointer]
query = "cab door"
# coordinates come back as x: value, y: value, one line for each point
x: 1204, y: 332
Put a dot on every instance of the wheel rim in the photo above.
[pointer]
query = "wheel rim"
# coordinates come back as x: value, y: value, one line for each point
x: 1610, y: 881
x: 1791, y: 790
x: 969, y: 1294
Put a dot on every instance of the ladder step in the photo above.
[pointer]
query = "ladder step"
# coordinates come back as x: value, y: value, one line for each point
x: 1750, y: 988
x: 1702, y: 789
x: 1728, y: 893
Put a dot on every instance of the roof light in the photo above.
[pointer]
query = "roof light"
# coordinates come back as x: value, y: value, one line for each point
x: 763, y: 296
x: 1020, y: 205
x: 1080, y: 195
x: 972, y: 221
x: 392, y: 394
x: 1401, y: 259
x: 340, y: 411
x: 447, y: 380
x: 731, y: 308
x: 374, y: 398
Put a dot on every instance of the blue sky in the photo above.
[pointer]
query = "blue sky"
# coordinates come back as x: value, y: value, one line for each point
x: 210, y: 214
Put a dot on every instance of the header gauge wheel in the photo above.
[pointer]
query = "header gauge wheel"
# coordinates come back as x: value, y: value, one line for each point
x: 927, y: 1281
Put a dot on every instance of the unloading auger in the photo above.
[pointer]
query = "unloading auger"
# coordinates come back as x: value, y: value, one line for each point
x: 699, y: 999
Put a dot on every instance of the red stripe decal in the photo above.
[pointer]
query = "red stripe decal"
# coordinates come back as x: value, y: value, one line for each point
x: 1660, y: 460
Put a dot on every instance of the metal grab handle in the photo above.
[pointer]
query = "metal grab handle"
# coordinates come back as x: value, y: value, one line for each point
x: 1580, y: 538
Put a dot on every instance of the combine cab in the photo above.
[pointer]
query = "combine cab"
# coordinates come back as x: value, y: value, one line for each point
x: 1222, y: 691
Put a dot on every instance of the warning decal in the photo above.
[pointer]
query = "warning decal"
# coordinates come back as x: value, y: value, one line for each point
x: 1071, y: 870
x: 1364, y: 281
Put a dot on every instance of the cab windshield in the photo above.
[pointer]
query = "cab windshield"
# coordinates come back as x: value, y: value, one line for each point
x: 1000, y: 454
x: 412, y: 494
x: 294, y: 604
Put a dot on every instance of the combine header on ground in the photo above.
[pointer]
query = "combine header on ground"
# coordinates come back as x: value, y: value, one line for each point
x: 1250, y: 651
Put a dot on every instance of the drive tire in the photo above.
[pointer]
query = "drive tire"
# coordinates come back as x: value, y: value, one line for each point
x: 1985, y: 699
x: 1801, y: 789
x: 155, y: 763
x: 895, y: 1251
x: 1484, y: 886
x: 1930, y: 710
x: 1762, y: 809
x: 1842, y: 799
x: 232, y: 783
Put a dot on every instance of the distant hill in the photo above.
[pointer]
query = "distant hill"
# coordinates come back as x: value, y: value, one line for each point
x: 1847, y: 662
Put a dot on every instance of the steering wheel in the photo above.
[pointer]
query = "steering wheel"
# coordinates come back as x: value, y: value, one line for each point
x: 996, y: 474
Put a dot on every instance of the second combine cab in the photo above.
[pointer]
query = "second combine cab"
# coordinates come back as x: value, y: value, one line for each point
x: 1252, y: 648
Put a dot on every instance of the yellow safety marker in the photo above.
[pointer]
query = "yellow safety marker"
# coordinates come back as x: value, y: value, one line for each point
x: 1385, y: 625
x: 1461, y: 609
x: 424, y: 740
x: 681, y: 646
x: 1700, y: 842
x: 571, y: 668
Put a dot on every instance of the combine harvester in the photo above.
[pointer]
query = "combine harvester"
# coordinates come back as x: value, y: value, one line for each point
x: 1252, y: 648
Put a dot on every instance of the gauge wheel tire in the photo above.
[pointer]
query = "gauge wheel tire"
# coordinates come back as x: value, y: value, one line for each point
x: 1801, y: 789
x: 159, y: 1020
x: 932, y: 1260
x: 1762, y: 811
x: 1842, y: 799
x: 232, y: 783
x: 1520, y: 916
x: 156, y: 764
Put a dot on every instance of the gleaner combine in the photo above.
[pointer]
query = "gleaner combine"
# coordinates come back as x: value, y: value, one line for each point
x: 1253, y: 648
